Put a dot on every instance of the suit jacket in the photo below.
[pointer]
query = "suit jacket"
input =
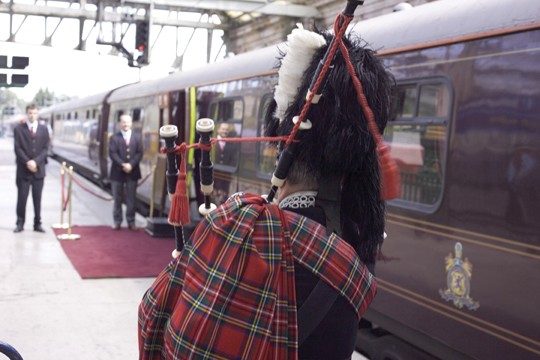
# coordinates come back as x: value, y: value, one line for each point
x: 120, y: 153
x: 31, y: 147
x: 228, y: 155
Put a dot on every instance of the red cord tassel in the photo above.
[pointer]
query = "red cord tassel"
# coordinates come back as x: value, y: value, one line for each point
x: 179, y: 212
x: 390, y: 178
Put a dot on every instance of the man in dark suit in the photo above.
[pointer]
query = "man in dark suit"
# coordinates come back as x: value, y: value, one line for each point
x: 225, y: 153
x: 126, y: 152
x: 31, y: 141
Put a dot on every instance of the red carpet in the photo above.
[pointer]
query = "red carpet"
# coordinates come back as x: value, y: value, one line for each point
x: 102, y: 252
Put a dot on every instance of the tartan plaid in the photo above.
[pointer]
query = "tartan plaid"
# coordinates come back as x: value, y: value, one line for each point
x: 231, y: 293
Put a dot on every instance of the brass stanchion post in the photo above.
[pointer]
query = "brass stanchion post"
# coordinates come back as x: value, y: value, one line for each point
x: 69, y: 235
x: 153, y: 192
x: 61, y: 224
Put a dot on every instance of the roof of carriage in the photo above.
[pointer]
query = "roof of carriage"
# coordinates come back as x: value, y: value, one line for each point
x: 432, y: 24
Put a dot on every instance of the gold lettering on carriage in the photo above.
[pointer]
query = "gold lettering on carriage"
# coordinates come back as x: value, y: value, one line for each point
x: 458, y: 280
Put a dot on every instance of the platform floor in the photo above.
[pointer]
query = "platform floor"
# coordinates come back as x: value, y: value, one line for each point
x: 46, y: 310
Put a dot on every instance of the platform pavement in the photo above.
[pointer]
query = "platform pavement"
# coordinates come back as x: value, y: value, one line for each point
x: 46, y: 310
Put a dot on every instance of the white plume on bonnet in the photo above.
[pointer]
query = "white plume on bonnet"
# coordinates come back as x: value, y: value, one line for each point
x: 302, y: 45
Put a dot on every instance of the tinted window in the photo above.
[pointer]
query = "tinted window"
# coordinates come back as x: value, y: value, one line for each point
x: 137, y: 115
x: 227, y: 110
x: 417, y: 135
x: 404, y: 101
x: 434, y: 100
x: 267, y: 152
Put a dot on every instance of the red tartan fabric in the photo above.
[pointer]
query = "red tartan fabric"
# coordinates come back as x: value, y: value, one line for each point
x: 231, y: 293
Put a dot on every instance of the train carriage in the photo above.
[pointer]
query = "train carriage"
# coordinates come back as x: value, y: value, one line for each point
x: 460, y: 267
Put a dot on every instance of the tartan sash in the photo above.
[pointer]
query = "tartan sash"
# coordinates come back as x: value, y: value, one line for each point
x: 231, y: 293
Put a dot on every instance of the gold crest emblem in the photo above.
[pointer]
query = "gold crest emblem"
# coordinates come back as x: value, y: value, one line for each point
x: 458, y: 280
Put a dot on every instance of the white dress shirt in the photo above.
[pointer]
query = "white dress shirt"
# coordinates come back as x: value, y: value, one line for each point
x: 32, y: 126
x: 126, y: 135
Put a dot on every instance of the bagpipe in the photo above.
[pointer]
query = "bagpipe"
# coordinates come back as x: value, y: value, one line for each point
x: 176, y: 154
x: 176, y: 177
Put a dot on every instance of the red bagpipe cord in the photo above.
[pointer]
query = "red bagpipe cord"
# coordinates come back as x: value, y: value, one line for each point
x: 179, y: 211
x: 390, y: 178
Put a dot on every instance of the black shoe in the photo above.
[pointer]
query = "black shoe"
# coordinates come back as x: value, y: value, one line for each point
x: 18, y: 229
x: 116, y: 227
x: 132, y: 227
x: 38, y: 228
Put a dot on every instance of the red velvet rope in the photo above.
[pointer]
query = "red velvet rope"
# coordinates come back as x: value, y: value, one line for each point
x: 76, y: 181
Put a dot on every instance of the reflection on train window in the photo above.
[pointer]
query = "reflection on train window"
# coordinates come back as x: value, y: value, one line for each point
x: 227, y: 110
x: 434, y: 100
x: 226, y: 153
x: 404, y: 102
x: 417, y: 137
x: 267, y: 152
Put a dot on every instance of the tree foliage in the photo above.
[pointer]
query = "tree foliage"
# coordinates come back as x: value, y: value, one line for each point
x: 11, y: 102
x: 44, y: 97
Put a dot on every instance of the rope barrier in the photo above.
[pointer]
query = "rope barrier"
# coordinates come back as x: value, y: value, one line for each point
x: 66, y: 199
x: 69, y: 235
x: 90, y: 191
x: 63, y: 199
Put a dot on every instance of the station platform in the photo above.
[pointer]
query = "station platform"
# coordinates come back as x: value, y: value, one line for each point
x: 47, y: 311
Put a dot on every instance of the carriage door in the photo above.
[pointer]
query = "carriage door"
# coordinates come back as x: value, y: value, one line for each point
x: 177, y: 113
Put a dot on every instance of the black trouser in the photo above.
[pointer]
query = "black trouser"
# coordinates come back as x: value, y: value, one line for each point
x: 118, y: 192
x: 23, y: 186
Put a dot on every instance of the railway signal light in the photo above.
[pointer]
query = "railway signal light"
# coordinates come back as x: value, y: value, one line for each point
x: 142, y: 37
x: 19, y: 80
x: 17, y: 63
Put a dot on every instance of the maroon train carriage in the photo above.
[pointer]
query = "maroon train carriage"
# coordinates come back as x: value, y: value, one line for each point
x: 461, y: 265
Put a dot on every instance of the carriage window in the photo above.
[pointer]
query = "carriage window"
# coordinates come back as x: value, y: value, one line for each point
x: 404, y: 101
x: 434, y: 100
x: 88, y: 114
x: 118, y: 114
x: 137, y: 115
x: 94, y: 112
x: 76, y: 115
x: 417, y: 136
x: 267, y: 153
x: 227, y: 110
